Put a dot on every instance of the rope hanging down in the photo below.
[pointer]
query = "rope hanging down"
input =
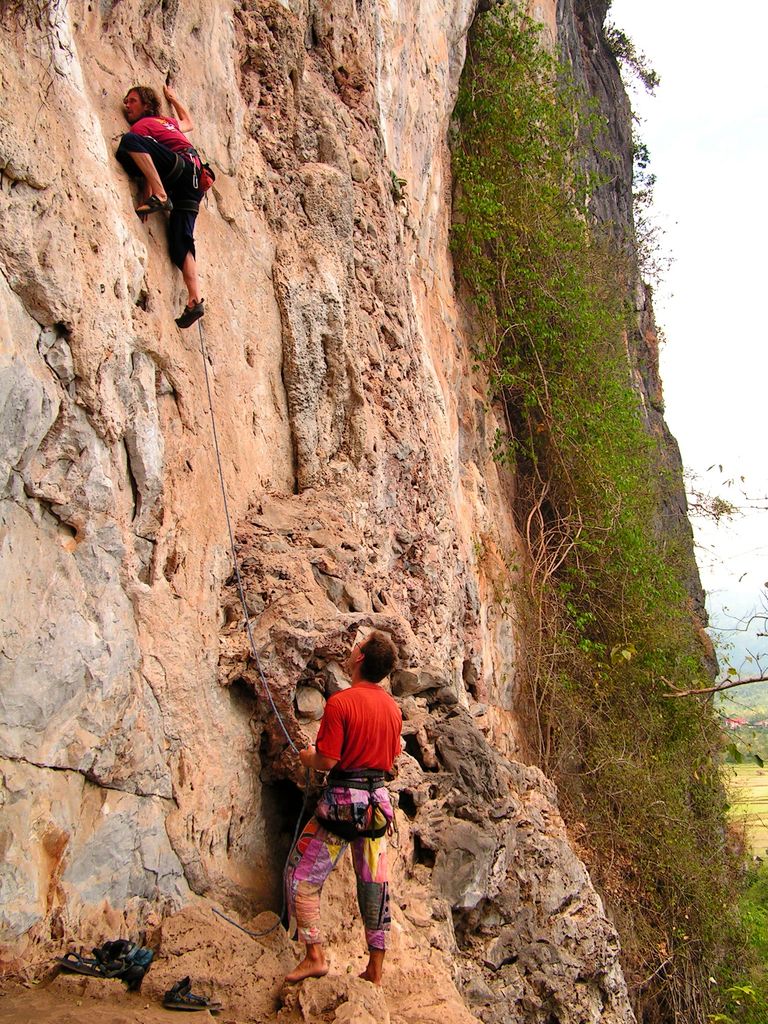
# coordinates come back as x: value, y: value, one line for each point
x: 294, y: 840
x: 254, y: 935
x: 240, y: 590
x: 254, y: 652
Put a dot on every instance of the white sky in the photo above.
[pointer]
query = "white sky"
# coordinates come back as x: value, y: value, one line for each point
x: 707, y: 132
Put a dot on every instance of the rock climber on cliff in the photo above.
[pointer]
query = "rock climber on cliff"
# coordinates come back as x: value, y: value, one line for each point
x: 157, y: 149
x: 357, y: 744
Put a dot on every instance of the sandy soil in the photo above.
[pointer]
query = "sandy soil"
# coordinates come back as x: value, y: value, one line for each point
x: 246, y: 976
x: 242, y: 973
x: 61, y: 1004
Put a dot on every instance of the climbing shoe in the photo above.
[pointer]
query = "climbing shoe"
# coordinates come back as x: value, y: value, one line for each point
x: 154, y: 205
x: 191, y: 314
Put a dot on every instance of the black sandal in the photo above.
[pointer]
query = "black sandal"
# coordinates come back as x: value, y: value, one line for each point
x: 86, y: 965
x: 125, y: 960
x: 117, y: 959
x: 181, y: 998
x: 154, y: 205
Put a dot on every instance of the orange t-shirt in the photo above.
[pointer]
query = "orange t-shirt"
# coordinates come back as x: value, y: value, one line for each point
x: 361, y: 728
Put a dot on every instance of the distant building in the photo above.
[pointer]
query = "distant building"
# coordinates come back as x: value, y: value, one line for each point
x: 734, y: 723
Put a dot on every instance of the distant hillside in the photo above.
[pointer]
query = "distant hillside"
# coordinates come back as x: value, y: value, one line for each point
x: 748, y: 702
x: 740, y: 650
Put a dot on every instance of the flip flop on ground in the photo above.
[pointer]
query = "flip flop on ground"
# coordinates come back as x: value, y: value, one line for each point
x: 85, y: 965
x: 181, y: 998
x: 117, y: 959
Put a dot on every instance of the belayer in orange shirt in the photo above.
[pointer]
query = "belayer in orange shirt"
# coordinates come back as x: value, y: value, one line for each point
x: 357, y: 744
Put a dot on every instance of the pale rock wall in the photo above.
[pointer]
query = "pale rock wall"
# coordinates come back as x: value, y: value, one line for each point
x: 142, y: 767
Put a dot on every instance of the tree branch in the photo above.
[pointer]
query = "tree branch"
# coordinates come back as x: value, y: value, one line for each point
x: 712, y: 689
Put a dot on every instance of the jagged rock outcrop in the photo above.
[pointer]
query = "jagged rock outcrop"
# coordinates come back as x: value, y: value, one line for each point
x: 142, y: 767
x: 487, y: 873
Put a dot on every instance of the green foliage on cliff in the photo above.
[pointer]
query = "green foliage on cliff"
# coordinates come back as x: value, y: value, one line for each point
x: 631, y: 59
x: 744, y: 994
x: 605, y: 616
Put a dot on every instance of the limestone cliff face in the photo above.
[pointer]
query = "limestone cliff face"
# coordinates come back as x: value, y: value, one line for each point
x: 142, y: 766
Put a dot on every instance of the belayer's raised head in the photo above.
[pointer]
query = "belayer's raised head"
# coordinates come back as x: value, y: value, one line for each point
x: 140, y: 101
x: 372, y: 659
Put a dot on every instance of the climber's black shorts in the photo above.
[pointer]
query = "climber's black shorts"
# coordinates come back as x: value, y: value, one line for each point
x: 181, y: 223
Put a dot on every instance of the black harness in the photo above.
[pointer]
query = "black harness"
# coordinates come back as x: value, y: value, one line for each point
x: 369, y: 777
x: 185, y: 205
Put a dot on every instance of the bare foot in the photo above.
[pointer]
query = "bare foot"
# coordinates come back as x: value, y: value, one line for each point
x: 369, y: 977
x: 374, y: 968
x: 308, y: 968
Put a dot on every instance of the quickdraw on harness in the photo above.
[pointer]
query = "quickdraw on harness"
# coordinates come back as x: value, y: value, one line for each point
x: 202, y: 178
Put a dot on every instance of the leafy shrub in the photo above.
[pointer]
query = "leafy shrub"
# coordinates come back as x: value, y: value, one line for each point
x: 628, y: 56
x: 602, y: 607
x: 745, y: 995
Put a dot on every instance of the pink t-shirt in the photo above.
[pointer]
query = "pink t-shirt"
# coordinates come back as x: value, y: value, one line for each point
x: 164, y: 130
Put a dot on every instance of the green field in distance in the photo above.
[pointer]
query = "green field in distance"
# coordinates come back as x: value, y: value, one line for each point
x: 748, y: 785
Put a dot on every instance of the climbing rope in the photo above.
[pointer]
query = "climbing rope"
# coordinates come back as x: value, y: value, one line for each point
x: 281, y: 915
x: 238, y: 577
x: 254, y: 935
x: 252, y: 642
x: 294, y: 840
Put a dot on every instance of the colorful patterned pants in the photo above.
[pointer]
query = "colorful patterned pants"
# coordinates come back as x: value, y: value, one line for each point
x: 313, y: 858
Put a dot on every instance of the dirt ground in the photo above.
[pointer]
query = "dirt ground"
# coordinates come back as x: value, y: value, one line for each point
x: 72, y: 1004
x: 246, y: 976
x: 242, y: 973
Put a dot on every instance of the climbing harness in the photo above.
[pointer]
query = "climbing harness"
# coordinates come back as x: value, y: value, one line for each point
x: 353, y: 819
x: 203, y: 176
